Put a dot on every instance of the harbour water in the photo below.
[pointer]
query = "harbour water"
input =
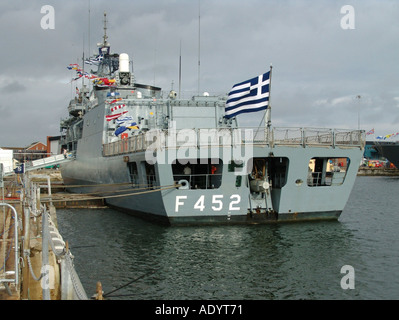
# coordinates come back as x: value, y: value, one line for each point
x: 137, y: 260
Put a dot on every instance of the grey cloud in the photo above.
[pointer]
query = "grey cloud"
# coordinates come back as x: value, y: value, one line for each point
x: 316, y: 64
x: 13, y: 87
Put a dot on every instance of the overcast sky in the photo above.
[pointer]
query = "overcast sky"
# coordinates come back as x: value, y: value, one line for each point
x: 319, y: 68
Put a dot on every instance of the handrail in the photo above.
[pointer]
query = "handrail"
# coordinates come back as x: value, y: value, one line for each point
x: 199, y: 181
x: 200, y: 138
x: 41, y: 163
x: 16, y: 249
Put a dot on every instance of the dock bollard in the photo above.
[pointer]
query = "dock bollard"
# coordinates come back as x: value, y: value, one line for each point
x: 99, y: 295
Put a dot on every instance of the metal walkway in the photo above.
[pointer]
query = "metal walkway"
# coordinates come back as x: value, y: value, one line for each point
x: 39, y: 164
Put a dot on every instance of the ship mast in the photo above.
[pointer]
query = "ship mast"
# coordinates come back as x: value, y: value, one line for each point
x: 199, y: 44
x: 105, y: 37
x: 104, y: 47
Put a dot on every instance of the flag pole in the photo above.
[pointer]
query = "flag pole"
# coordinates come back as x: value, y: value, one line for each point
x: 268, y: 122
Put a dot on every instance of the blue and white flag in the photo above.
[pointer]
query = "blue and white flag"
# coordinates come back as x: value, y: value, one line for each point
x: 20, y: 169
x: 112, y: 94
x: 248, y: 96
x: 95, y: 61
x: 124, y: 120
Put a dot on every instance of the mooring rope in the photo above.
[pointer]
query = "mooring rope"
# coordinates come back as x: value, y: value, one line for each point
x: 108, y: 197
x: 119, y: 190
x: 130, y: 282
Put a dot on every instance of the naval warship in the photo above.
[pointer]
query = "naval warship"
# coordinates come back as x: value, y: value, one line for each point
x: 389, y: 150
x: 185, y: 161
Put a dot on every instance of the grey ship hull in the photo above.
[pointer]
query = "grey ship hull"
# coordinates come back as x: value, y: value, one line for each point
x: 292, y: 200
x: 390, y: 150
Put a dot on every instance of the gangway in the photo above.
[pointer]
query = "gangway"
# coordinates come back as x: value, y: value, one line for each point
x: 39, y: 164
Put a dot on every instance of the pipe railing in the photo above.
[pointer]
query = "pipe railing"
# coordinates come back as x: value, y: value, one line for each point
x: 6, y: 278
x: 201, y: 138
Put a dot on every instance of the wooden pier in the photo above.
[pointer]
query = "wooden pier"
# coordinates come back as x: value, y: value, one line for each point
x: 373, y: 171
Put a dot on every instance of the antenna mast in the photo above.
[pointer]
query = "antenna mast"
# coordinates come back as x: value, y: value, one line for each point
x: 199, y: 43
x: 105, y: 37
x: 89, y: 30
x: 180, y: 71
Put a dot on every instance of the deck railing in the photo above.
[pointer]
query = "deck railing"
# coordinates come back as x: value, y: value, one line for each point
x: 200, y: 138
x: 199, y: 181
x: 8, y: 245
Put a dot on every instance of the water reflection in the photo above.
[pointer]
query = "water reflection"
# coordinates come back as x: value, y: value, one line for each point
x: 277, y: 261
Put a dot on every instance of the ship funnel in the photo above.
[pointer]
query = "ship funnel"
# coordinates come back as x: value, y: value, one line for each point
x: 123, y: 62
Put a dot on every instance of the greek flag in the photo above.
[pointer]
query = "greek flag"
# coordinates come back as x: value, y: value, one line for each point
x: 95, y: 61
x: 248, y: 96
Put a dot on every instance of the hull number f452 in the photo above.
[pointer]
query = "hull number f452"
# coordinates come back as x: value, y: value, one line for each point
x: 215, y: 205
